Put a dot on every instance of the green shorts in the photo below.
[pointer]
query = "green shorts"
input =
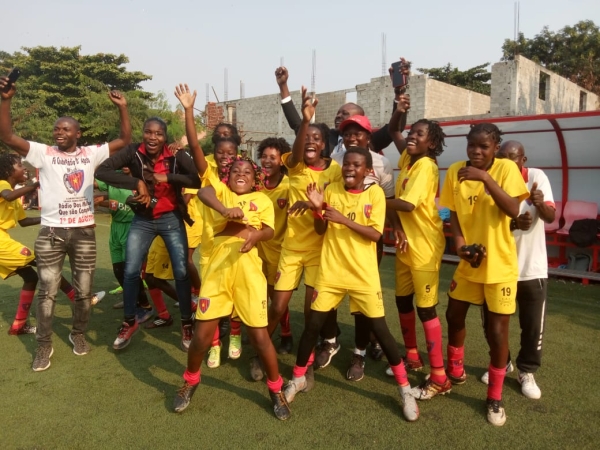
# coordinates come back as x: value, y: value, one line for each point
x: 117, y: 242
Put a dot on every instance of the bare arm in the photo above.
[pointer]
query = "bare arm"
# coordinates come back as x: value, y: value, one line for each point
x: 397, y: 204
x: 333, y: 215
x: 507, y: 204
x: 398, y: 122
x: 9, y: 195
x: 18, y: 144
x: 30, y: 221
x: 308, y: 111
x: 124, y: 138
x: 187, y: 100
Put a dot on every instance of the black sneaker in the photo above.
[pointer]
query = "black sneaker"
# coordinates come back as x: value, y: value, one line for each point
x: 159, y: 322
x: 375, y: 351
x: 280, y: 405
x: 184, y: 396
x: 325, y: 353
x: 286, y: 345
x: 356, y: 371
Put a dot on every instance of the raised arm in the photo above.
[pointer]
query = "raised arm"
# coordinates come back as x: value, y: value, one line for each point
x: 124, y: 138
x: 309, y: 105
x: 287, y: 105
x: 18, y: 144
x: 10, y: 195
x: 398, y: 123
x: 187, y: 100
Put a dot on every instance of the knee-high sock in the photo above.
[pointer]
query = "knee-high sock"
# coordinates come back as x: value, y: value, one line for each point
x: 433, y: 336
x: 25, y: 301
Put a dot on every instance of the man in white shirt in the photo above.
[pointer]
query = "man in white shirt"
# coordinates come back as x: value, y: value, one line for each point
x: 530, y: 236
x: 66, y: 174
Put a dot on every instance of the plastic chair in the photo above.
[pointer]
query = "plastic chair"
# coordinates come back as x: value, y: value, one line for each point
x: 576, y: 210
x: 552, y: 227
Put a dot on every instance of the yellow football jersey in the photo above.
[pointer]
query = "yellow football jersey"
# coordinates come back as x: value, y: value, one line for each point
x: 210, y: 177
x: 10, y: 212
x: 349, y: 260
x: 279, y: 196
x: 300, y: 233
x: 404, y: 160
x: 482, y: 222
x: 417, y: 185
x: 194, y: 208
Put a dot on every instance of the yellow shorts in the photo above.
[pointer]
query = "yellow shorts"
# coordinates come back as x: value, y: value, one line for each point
x: 423, y: 283
x: 500, y: 297
x: 13, y: 256
x: 270, y: 258
x: 159, y: 261
x: 234, y: 285
x: 194, y: 234
x: 291, y: 265
x: 368, y: 303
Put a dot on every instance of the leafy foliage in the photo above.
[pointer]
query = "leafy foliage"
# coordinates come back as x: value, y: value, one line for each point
x: 572, y: 52
x: 475, y: 79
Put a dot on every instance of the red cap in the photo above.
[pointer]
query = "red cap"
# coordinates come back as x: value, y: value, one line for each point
x: 361, y: 121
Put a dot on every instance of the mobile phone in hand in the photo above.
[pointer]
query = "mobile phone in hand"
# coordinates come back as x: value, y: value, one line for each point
x: 398, y: 78
x: 13, y: 76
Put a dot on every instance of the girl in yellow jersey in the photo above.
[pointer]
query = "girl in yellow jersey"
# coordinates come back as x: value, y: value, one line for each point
x: 301, y: 248
x: 351, y: 215
x: 234, y: 282
x: 421, y: 242
x: 483, y: 195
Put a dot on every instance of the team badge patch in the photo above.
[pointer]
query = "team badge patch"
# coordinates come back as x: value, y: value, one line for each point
x: 314, y: 296
x: 25, y: 251
x: 282, y: 202
x: 113, y: 205
x: 74, y: 181
x: 253, y: 207
x: 404, y: 183
x: 368, y: 209
x: 452, y: 285
x: 204, y: 304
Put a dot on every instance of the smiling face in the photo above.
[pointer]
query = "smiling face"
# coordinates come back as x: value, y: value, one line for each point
x: 65, y: 133
x: 241, y: 177
x: 313, y: 146
x: 154, y: 137
x: 481, y: 150
x: 345, y: 112
x: 417, y: 141
x: 225, y: 151
x: 19, y: 173
x: 271, y: 162
x: 354, y: 171
x: 514, y: 151
x: 355, y: 136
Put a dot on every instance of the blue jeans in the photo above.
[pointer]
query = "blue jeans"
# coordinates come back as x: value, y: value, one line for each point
x: 80, y: 245
x: 142, y: 232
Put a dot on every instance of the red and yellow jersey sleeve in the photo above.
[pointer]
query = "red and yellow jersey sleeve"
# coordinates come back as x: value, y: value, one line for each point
x: 348, y: 259
x: 417, y: 185
x: 300, y: 234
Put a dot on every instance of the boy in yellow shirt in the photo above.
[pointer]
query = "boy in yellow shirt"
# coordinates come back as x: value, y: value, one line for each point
x: 483, y: 195
x: 351, y: 216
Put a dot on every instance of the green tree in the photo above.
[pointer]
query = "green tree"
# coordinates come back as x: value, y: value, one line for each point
x: 475, y: 79
x: 572, y: 52
x: 58, y: 82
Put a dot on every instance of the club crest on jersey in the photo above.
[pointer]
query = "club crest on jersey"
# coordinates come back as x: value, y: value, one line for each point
x: 252, y: 207
x: 404, y: 183
x: 25, y: 251
x: 204, y: 304
x: 368, y: 209
x: 452, y: 285
x: 282, y: 202
x: 73, y: 181
x: 113, y: 205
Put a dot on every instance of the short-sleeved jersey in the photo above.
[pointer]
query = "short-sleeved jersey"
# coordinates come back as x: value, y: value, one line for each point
x: 210, y: 177
x: 482, y: 222
x: 279, y: 197
x: 194, y: 207
x: 119, y: 209
x: 382, y: 174
x: 531, y: 244
x: 300, y: 234
x: 417, y: 185
x: 404, y: 160
x: 349, y: 260
x: 257, y: 208
x: 10, y: 212
x: 66, y: 183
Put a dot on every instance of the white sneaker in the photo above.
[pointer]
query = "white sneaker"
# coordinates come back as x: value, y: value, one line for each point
x: 294, y: 386
x: 529, y: 388
x: 410, y: 409
x: 97, y: 298
x: 495, y: 412
x: 485, y: 378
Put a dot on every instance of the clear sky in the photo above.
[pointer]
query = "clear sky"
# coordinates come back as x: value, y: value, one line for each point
x: 194, y: 41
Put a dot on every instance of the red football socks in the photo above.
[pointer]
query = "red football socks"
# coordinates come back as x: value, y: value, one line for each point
x: 456, y: 357
x: 433, y: 337
x: 496, y: 381
x: 25, y: 301
x: 298, y: 371
x: 216, y: 340
x: 275, y: 386
x: 409, y: 333
x: 236, y: 328
x: 191, y: 378
x: 159, y: 303
x: 400, y: 374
